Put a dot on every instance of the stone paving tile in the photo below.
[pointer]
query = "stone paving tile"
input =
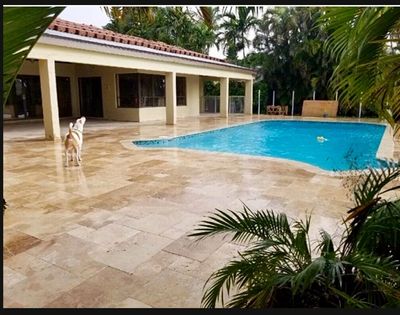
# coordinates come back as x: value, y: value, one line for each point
x: 213, y: 262
x: 126, y: 256
x: 98, y: 218
x: 173, y: 289
x: 17, y: 243
x: 45, y: 226
x: 41, y: 288
x: 159, y: 223
x: 11, y: 277
x: 106, y: 287
x: 96, y: 235
x: 191, y: 248
x: 129, y: 303
x: 10, y: 303
x: 174, y: 233
x: 70, y: 253
x: 151, y: 268
x: 26, y: 264
x: 107, y: 235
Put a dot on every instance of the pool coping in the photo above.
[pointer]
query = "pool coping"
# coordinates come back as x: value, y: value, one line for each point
x: 386, y: 147
x: 384, y: 152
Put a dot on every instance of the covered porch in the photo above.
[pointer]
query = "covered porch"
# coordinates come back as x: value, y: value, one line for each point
x: 116, y: 82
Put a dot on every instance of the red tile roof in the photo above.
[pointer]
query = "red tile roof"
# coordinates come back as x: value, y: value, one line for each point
x: 99, y: 33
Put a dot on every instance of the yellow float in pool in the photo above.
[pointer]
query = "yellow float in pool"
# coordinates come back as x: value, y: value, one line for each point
x: 321, y: 139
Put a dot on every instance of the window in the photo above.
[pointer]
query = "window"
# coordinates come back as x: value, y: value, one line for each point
x: 128, y: 90
x: 25, y: 100
x: 181, y: 91
x: 141, y: 90
x: 152, y: 90
x: 146, y: 90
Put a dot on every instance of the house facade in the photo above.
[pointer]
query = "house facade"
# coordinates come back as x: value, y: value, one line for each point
x: 76, y: 69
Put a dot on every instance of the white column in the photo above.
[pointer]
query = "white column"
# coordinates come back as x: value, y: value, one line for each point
x: 224, y: 97
x: 201, y: 94
x: 170, y: 97
x: 248, y: 97
x: 48, y: 88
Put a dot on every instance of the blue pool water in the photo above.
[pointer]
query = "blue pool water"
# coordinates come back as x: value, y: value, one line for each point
x: 348, y: 145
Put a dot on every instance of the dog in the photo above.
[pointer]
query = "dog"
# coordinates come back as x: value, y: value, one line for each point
x: 73, y: 141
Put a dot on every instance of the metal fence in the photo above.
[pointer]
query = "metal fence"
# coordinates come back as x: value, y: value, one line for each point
x: 211, y: 104
x: 236, y: 104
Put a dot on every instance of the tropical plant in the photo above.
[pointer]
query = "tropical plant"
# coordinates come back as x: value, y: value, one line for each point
x: 179, y: 26
x: 365, y: 42
x: 290, y: 52
x: 182, y: 28
x: 234, y: 30
x: 118, y: 13
x: 280, y: 268
x: 22, y: 27
x: 375, y: 221
x: 207, y: 14
x: 130, y: 20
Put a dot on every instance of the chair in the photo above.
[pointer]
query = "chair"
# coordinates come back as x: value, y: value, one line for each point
x: 277, y: 109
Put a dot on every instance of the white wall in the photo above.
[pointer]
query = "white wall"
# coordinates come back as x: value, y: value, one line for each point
x: 109, y: 91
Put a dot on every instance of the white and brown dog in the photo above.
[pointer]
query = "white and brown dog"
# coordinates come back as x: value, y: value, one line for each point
x: 73, y: 141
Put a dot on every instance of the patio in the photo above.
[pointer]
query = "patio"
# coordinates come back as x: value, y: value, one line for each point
x: 112, y: 233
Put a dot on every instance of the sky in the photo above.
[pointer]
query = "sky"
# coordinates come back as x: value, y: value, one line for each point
x: 88, y: 14
x: 95, y: 15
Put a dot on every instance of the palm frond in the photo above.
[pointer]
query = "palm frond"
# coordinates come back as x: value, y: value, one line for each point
x: 380, y: 233
x: 374, y: 180
x: 373, y: 183
x: 366, y: 70
x: 236, y: 273
x: 326, y: 246
x: 351, y: 301
x: 22, y: 27
x: 245, y: 226
x: 382, y: 272
x: 208, y: 16
x: 305, y: 277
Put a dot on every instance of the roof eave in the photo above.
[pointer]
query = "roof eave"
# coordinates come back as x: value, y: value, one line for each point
x: 77, y: 38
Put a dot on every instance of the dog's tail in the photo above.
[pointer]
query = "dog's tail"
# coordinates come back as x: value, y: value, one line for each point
x: 69, y: 136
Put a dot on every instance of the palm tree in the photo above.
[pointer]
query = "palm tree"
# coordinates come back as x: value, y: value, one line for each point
x: 281, y: 269
x: 235, y: 29
x: 365, y: 42
x: 292, y: 49
x: 119, y: 13
x: 149, y: 13
x: 209, y: 16
x: 177, y: 25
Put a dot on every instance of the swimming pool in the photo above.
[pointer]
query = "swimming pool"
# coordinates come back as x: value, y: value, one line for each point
x: 328, y: 145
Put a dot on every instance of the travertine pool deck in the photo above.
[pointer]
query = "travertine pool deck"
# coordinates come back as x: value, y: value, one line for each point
x: 112, y: 233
